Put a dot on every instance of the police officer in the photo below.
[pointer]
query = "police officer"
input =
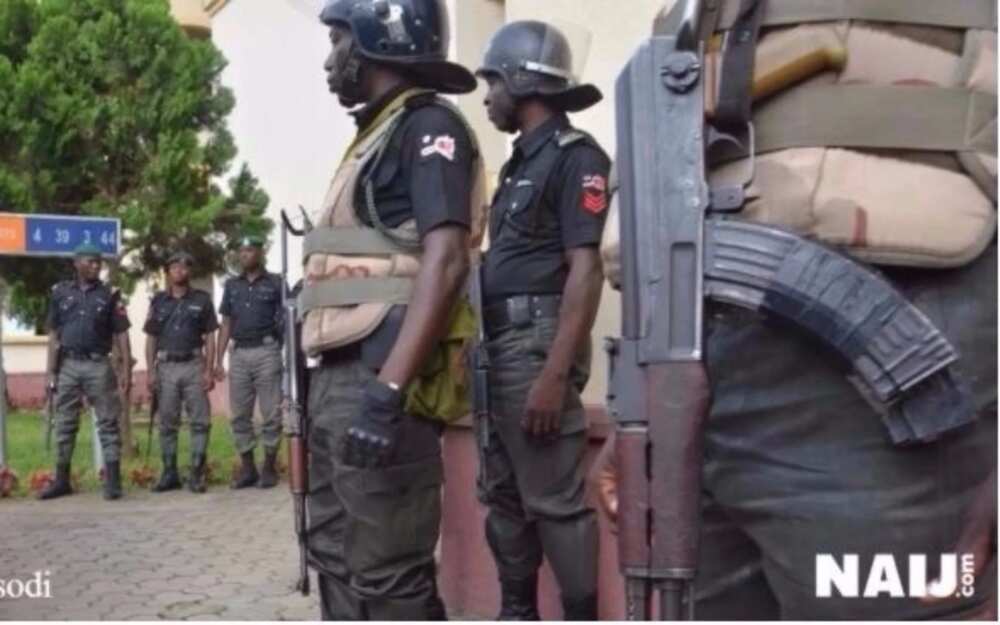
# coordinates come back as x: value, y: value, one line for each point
x: 383, y: 269
x: 541, y: 285
x: 252, y: 316
x: 85, y: 316
x: 180, y: 350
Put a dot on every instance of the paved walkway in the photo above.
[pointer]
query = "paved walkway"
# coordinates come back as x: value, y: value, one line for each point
x: 225, y: 555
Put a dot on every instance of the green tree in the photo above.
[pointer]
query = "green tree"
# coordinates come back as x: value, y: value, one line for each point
x: 107, y: 108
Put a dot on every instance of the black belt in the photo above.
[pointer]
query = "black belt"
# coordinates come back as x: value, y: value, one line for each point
x: 79, y: 354
x: 255, y: 342
x: 345, y: 353
x: 178, y: 356
x: 520, y: 311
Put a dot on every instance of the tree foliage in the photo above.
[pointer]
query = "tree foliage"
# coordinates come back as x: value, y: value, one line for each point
x: 108, y: 108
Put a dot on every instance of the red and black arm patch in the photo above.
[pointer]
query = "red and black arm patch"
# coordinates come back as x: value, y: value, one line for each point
x: 583, y: 195
x: 594, y: 193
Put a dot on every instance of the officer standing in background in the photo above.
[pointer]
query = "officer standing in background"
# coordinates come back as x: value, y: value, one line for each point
x: 541, y: 285
x: 180, y: 350
x: 252, y: 316
x: 384, y: 268
x: 85, y: 316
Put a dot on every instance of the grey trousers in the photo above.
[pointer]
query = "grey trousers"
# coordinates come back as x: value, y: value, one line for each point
x: 372, y: 532
x: 797, y: 464
x: 535, y: 490
x: 181, y: 387
x: 95, y: 380
x: 255, y: 374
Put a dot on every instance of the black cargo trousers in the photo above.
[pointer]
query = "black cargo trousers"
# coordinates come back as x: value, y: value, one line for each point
x: 372, y: 532
x: 534, y: 490
x: 798, y: 464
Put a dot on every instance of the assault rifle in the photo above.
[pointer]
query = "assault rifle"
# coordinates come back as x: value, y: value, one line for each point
x: 295, y: 417
x: 677, y: 248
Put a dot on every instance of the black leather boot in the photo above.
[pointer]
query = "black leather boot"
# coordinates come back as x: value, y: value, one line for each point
x: 169, y: 479
x: 580, y: 609
x: 196, y: 481
x: 248, y: 472
x: 59, y: 486
x: 112, y: 480
x: 519, y: 599
x: 269, y: 472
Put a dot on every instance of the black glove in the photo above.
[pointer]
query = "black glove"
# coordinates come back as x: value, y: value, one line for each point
x: 371, y: 437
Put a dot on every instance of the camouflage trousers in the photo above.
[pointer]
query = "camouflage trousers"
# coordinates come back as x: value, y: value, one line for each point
x: 534, y: 490
x: 181, y: 387
x: 255, y: 375
x: 372, y: 532
x: 95, y: 380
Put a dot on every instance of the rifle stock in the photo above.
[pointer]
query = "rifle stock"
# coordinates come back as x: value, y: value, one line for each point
x: 296, y: 419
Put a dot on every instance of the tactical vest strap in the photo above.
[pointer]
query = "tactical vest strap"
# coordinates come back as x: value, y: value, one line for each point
x: 349, y: 241
x: 877, y: 117
x: 979, y: 14
x: 352, y: 291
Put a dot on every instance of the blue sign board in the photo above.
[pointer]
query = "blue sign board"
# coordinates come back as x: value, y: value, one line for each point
x: 60, y: 235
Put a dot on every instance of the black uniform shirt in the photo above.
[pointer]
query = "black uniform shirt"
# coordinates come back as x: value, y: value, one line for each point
x: 253, y: 307
x: 551, y: 198
x: 180, y: 322
x: 85, y: 317
x: 426, y: 170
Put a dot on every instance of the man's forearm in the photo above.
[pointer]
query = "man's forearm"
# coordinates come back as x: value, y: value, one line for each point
x: 52, y: 355
x: 444, y: 268
x: 581, y: 298
x: 223, y: 341
x: 150, y: 352
x: 209, y: 341
x: 126, y: 354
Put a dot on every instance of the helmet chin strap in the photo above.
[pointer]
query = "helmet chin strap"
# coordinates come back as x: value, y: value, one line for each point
x: 350, y: 72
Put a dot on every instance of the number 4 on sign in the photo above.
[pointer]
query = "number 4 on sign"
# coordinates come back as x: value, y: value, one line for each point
x: 37, y: 237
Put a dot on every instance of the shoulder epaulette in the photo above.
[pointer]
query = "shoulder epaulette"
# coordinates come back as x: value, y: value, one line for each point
x: 569, y: 137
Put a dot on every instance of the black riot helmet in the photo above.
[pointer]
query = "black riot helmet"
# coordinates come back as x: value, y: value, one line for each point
x: 409, y: 33
x: 534, y: 59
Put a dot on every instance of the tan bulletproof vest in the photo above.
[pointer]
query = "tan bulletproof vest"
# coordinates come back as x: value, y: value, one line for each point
x: 353, y: 273
x: 875, y: 124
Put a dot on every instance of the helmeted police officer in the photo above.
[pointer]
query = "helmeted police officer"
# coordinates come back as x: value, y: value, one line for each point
x: 180, y: 351
x: 383, y: 269
x: 252, y: 316
x: 541, y: 285
x: 85, y: 316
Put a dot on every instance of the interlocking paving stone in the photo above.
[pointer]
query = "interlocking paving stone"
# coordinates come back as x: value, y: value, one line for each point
x: 225, y: 555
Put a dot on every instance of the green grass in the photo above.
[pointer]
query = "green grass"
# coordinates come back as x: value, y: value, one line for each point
x: 26, y: 452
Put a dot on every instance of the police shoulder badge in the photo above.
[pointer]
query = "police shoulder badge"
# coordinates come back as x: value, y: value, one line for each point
x: 594, y: 198
x: 442, y: 145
